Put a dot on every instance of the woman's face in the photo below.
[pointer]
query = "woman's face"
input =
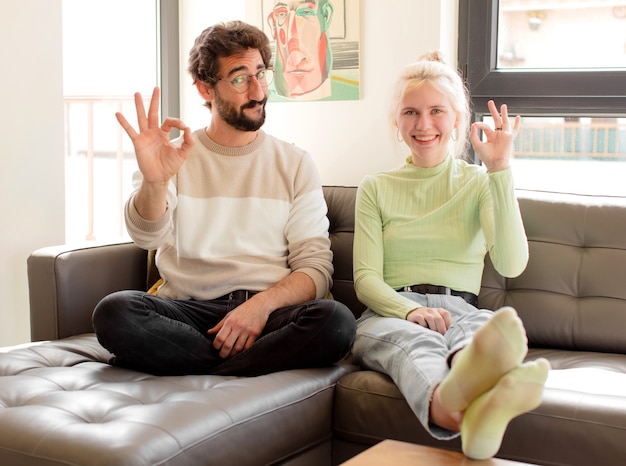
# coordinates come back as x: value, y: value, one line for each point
x: 426, y: 121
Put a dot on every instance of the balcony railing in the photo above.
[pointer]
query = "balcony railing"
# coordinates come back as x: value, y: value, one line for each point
x: 572, y: 140
x: 99, y: 165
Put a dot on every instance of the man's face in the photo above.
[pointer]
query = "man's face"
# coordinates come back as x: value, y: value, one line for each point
x: 302, y: 47
x: 243, y: 111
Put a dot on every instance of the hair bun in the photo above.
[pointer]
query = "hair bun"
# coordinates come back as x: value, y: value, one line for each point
x: 433, y: 55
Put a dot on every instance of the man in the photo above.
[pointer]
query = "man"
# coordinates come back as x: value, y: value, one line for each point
x: 303, y: 53
x: 239, y: 223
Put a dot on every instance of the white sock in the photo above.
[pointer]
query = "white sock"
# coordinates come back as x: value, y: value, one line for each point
x: 487, y: 417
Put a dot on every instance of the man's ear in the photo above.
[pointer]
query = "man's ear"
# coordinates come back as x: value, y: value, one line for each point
x: 205, y: 91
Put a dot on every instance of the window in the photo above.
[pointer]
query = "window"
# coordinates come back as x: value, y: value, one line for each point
x: 561, y: 64
x: 110, y: 51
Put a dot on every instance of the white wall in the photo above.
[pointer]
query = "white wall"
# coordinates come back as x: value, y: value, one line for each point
x: 31, y: 150
x: 352, y: 138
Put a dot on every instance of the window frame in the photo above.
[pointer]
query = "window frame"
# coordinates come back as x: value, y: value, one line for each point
x: 168, y: 62
x: 572, y: 92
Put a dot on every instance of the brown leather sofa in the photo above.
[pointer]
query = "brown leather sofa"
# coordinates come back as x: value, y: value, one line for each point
x: 60, y: 403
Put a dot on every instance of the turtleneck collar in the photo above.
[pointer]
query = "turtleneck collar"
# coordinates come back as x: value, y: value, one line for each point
x: 419, y: 172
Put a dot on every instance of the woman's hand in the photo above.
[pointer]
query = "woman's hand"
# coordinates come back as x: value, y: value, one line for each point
x: 497, y: 150
x: 436, y: 319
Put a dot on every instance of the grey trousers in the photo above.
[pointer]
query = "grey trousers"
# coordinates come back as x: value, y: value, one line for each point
x: 417, y: 358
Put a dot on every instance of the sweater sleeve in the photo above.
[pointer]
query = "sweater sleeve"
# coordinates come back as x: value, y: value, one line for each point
x: 145, y: 233
x: 368, y: 258
x: 307, y: 230
x: 502, y: 224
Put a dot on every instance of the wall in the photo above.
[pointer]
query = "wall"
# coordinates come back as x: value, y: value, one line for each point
x: 352, y: 138
x: 31, y: 150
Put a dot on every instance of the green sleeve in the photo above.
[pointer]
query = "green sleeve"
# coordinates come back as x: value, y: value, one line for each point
x: 369, y: 284
x: 502, y: 225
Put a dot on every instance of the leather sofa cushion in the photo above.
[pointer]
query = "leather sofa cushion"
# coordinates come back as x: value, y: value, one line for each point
x: 58, y: 394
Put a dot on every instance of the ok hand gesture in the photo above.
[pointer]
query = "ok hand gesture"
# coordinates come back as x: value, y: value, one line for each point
x: 157, y: 157
x: 497, y: 150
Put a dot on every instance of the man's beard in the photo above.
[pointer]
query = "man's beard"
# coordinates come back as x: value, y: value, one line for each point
x: 236, y: 117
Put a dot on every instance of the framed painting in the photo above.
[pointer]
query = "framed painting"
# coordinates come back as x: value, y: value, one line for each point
x: 315, y: 49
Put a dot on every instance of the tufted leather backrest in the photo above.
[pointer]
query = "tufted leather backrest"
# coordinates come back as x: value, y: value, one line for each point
x: 572, y: 294
x: 340, y: 201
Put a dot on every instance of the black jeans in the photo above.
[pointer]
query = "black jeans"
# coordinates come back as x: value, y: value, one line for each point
x: 169, y: 337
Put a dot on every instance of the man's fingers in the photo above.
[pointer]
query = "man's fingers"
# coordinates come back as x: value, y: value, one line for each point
x: 127, y: 127
x: 153, y: 110
x: 142, y: 120
x: 170, y: 123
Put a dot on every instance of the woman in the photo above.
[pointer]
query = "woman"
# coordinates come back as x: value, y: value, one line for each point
x: 421, y: 235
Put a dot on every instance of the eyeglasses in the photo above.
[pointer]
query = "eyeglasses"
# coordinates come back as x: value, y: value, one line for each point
x: 241, y: 83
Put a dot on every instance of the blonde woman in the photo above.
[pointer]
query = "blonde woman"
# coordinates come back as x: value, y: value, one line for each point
x: 422, y: 232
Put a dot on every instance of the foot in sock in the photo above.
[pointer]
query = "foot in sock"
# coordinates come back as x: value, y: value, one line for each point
x: 497, y: 347
x: 488, y: 416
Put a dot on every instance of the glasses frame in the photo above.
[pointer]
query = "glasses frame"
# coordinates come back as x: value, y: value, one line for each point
x: 242, y: 86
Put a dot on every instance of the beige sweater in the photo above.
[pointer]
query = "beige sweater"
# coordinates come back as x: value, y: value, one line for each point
x: 238, y: 218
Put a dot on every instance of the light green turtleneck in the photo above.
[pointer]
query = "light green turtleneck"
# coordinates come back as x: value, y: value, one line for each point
x: 434, y: 226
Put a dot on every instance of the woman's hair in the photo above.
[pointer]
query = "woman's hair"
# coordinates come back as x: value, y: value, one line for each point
x: 430, y: 68
x: 224, y: 40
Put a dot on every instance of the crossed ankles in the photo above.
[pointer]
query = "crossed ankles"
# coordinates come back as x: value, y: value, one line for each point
x: 488, y: 416
x: 491, y: 385
x: 499, y: 346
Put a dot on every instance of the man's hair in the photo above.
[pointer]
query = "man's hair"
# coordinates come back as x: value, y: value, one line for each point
x: 224, y: 40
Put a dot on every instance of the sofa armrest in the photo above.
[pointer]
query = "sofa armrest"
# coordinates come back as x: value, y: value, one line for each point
x: 65, y: 283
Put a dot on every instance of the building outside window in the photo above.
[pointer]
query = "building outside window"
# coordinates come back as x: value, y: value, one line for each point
x: 561, y: 64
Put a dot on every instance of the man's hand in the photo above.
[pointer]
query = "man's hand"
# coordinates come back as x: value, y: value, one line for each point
x: 436, y: 319
x: 158, y: 159
x: 239, y: 329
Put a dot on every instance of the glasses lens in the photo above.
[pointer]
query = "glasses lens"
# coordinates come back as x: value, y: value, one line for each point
x: 241, y: 82
x: 265, y: 77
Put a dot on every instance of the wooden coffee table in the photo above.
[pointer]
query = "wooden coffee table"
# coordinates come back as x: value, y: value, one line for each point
x: 394, y: 453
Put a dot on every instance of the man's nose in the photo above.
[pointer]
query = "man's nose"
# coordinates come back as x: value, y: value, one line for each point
x: 256, y: 91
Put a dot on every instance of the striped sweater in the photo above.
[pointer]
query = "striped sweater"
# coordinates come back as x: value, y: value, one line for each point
x: 434, y: 226
x: 238, y: 218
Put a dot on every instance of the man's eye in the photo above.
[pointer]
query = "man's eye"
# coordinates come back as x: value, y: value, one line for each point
x: 260, y: 75
x: 239, y: 80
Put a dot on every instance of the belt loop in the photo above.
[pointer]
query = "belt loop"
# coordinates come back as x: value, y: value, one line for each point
x: 448, y: 292
x: 408, y: 289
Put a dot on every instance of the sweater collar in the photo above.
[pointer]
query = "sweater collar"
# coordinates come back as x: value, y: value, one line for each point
x: 248, y: 149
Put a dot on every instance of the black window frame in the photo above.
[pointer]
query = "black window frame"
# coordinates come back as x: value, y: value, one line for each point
x: 572, y: 92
